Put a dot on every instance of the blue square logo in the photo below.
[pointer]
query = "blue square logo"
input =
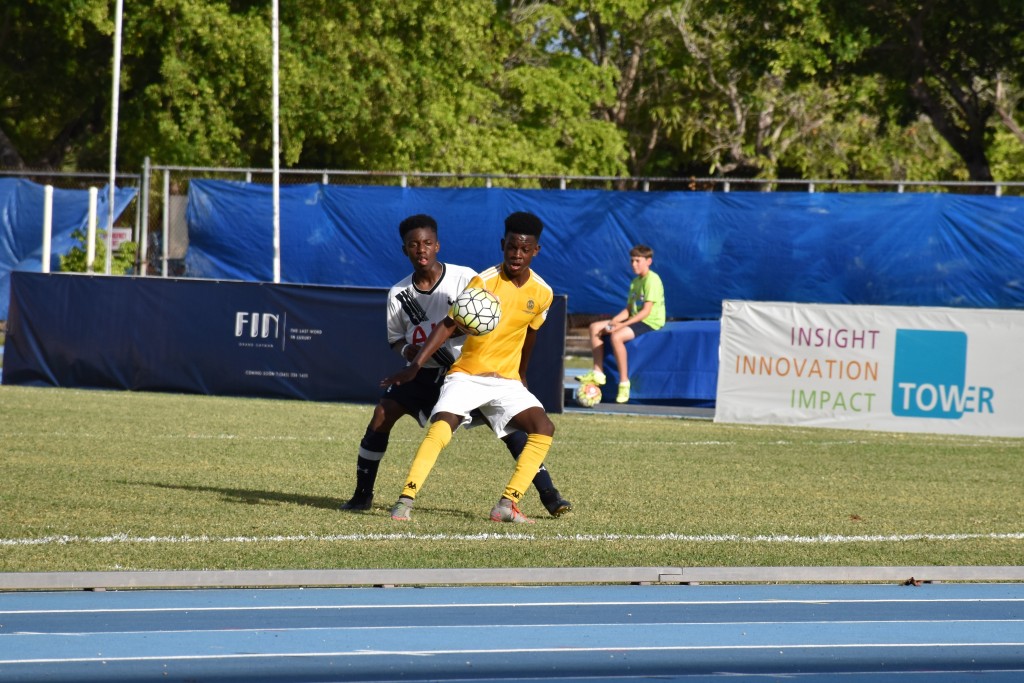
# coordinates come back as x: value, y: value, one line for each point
x: 929, y: 373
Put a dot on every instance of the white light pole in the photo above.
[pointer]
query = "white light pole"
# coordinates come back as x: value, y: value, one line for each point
x: 276, y: 125
x: 119, y: 10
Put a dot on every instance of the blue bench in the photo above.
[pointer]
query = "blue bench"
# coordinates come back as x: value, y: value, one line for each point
x: 678, y: 364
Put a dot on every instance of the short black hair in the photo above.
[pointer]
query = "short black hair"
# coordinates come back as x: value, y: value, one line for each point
x: 523, y: 223
x: 420, y: 220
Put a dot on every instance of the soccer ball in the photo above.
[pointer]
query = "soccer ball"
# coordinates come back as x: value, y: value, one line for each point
x: 476, y: 311
x: 587, y: 395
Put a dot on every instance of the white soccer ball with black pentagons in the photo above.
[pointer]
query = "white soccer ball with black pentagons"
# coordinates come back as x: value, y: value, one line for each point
x: 476, y: 311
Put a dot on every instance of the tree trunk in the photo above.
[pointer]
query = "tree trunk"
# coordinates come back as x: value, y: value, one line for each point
x: 9, y: 156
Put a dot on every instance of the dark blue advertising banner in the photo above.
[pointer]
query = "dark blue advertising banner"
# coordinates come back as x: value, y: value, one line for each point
x: 220, y: 338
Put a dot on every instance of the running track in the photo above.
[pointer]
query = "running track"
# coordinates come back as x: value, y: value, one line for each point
x: 847, y: 632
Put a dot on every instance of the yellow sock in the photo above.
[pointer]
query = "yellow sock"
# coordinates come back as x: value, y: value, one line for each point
x: 438, y: 436
x: 533, y: 455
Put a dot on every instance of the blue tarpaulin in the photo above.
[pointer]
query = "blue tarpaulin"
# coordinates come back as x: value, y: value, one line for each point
x: 879, y: 248
x: 21, y: 226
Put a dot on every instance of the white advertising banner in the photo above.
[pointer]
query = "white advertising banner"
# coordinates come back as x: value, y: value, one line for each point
x: 887, y: 368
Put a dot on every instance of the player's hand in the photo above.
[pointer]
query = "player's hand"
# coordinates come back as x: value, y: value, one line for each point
x: 401, y: 377
x: 409, y: 351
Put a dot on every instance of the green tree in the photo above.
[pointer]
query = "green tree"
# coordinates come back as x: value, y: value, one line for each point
x: 433, y: 86
x: 788, y: 88
x: 940, y: 58
x: 193, y: 80
x: 770, y: 88
x: 55, y: 61
x: 420, y: 84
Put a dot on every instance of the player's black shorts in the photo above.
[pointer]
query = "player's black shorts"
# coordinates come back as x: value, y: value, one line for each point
x: 640, y: 328
x: 418, y: 396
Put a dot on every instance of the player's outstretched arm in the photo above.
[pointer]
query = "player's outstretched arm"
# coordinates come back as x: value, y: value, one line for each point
x: 436, y: 340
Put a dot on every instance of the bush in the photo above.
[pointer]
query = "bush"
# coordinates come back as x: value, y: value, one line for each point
x: 122, y: 261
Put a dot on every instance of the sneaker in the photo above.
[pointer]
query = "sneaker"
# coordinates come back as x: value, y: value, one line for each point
x: 360, y: 502
x: 623, y: 395
x: 558, y: 507
x: 402, y: 510
x: 501, y: 513
x: 592, y: 377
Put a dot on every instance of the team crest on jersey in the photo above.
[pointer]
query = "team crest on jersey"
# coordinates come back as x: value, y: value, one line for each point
x: 530, y: 305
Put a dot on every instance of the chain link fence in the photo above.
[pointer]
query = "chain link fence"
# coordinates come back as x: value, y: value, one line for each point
x: 165, y: 193
x: 130, y: 218
x: 159, y: 226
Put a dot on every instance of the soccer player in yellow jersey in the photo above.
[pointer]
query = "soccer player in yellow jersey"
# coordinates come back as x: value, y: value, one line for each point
x: 490, y: 375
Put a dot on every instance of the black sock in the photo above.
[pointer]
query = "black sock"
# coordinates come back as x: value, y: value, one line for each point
x: 371, y: 450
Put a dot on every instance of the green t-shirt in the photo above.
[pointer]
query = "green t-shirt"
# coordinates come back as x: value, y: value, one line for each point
x: 644, y: 289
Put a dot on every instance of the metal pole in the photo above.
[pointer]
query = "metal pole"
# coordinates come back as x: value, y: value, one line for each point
x: 166, y: 222
x: 90, y: 239
x: 275, y: 37
x: 113, y: 133
x: 47, y: 228
x: 144, y: 220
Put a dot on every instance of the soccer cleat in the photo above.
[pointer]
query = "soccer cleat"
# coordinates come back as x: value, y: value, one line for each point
x: 623, y: 395
x: 501, y: 513
x: 402, y: 510
x: 558, y: 507
x: 592, y: 377
x: 359, y: 502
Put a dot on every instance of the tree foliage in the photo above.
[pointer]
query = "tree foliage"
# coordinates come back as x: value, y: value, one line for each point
x: 900, y: 89
x: 122, y: 261
x: 942, y: 58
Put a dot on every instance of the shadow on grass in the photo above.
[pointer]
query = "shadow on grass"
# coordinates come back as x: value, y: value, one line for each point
x: 251, y: 497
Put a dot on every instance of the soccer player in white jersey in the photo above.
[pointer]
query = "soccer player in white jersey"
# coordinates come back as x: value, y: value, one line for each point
x: 416, y: 305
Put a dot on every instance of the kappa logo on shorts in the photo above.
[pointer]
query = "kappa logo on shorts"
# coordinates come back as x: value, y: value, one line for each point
x: 930, y: 376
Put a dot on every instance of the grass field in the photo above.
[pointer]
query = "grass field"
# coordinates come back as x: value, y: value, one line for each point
x: 99, y: 480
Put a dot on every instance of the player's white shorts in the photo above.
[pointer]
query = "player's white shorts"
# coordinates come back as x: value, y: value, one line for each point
x: 499, y: 399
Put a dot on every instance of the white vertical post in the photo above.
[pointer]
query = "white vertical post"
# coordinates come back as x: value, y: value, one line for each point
x: 143, y: 236
x: 275, y: 39
x: 165, y: 248
x: 47, y: 228
x: 90, y: 240
x: 113, y: 133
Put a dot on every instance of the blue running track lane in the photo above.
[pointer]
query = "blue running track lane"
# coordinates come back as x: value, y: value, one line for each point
x: 793, y: 632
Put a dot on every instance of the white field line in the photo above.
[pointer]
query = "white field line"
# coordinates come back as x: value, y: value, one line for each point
x: 823, y: 539
x: 812, y: 438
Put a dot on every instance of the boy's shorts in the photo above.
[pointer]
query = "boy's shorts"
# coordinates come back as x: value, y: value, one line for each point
x: 640, y: 328
x: 418, y: 396
x: 499, y: 399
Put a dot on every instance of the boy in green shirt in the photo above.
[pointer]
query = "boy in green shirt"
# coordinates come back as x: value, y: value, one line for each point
x: 644, y: 312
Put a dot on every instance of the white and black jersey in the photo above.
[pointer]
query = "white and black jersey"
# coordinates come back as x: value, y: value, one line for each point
x: 413, y: 313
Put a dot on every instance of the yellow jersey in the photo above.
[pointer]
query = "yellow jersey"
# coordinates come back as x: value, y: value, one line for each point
x: 500, y: 351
